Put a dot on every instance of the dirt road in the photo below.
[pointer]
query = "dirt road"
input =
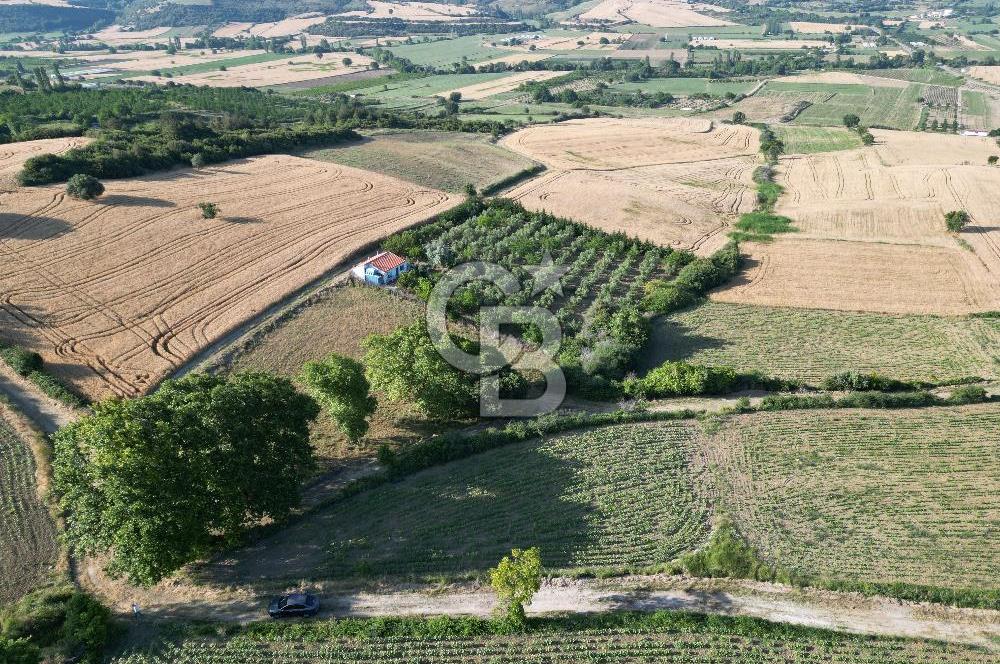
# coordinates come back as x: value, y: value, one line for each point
x: 45, y: 412
x: 844, y: 612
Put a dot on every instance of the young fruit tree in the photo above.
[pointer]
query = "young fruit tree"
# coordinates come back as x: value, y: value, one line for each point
x: 158, y: 481
x: 516, y: 580
x: 956, y: 220
x: 338, y: 383
x: 84, y: 187
x: 208, y: 210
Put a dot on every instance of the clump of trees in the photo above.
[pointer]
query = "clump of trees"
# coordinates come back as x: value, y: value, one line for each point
x: 956, y: 220
x: 338, y: 383
x: 84, y: 187
x: 158, y: 481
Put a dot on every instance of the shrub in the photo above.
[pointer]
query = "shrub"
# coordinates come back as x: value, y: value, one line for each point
x: 208, y: 210
x: 198, y: 160
x: 956, y: 220
x: 739, y: 117
x: 19, y: 651
x: 968, y: 394
x: 992, y: 160
x: 87, y: 626
x: 84, y: 187
x: 682, y: 379
x: 851, y: 120
x: 863, y: 382
x: 22, y: 361
x: 727, y: 555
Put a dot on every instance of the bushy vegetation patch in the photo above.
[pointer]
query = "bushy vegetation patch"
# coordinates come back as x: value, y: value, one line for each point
x: 673, y: 379
x: 30, y: 365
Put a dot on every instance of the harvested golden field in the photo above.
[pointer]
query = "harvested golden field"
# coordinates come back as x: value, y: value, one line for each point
x: 103, y: 64
x: 500, y: 85
x: 414, y: 11
x: 818, y: 28
x: 655, y: 13
x: 678, y: 182
x: 283, y: 28
x: 590, y: 41
x: 843, y: 77
x: 13, y: 155
x: 113, y: 35
x: 517, y: 58
x: 871, y: 230
x: 760, y: 44
x: 295, y: 69
x: 988, y: 73
x: 119, y: 292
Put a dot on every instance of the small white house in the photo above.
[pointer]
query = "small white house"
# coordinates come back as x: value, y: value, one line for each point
x: 381, y: 269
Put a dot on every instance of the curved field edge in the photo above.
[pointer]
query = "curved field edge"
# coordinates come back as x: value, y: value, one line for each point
x: 621, y: 637
x: 640, y: 495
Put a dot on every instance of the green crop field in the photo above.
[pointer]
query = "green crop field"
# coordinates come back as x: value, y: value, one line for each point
x: 444, y: 53
x: 417, y: 92
x: 810, y: 344
x: 931, y: 76
x: 609, y: 498
x: 976, y: 110
x: 903, y: 496
x: 438, y: 159
x: 28, y: 547
x: 886, y: 107
x: 673, y: 638
x: 685, y: 86
x: 809, y: 140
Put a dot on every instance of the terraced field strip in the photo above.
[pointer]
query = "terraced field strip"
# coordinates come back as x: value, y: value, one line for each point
x: 119, y: 292
x: 676, y: 182
x: 687, y: 646
x: 29, y: 550
x: 811, y: 344
x: 584, y: 499
x: 898, y: 496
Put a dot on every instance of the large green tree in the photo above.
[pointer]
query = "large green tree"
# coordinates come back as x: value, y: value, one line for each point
x: 405, y: 366
x: 338, y: 383
x: 158, y: 480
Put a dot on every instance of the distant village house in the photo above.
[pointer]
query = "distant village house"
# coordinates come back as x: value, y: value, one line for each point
x: 381, y: 269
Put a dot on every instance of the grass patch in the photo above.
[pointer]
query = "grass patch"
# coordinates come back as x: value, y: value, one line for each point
x: 811, y: 140
x: 437, y: 159
x: 760, y: 226
x: 812, y: 344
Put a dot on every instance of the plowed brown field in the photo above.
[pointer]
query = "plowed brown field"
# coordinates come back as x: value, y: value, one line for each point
x: 119, y: 292
x: 677, y: 182
x: 871, y: 229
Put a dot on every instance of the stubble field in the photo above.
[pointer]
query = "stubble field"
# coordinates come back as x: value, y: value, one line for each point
x: 871, y: 230
x: 677, y: 182
x: 294, y: 69
x: 13, y: 155
x: 655, y: 13
x: 118, y: 292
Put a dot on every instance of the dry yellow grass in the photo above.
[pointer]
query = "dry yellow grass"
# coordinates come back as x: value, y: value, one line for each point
x: 678, y: 182
x: 655, y: 13
x: 142, y: 61
x: 283, y: 28
x: 114, y: 35
x: 871, y: 230
x: 118, y: 292
x: 273, y: 72
x: 505, y: 84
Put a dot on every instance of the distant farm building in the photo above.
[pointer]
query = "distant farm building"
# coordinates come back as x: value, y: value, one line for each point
x: 381, y: 269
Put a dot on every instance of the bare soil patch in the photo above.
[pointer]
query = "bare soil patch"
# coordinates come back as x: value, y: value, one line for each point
x: 119, y: 292
x: 818, y: 28
x: 677, y: 182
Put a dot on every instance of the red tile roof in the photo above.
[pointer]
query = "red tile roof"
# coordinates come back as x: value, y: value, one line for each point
x: 386, y: 261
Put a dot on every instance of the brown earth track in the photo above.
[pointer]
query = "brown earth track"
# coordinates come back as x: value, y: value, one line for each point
x: 120, y: 292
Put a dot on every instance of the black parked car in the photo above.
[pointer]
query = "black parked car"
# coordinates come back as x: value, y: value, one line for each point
x: 300, y: 604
